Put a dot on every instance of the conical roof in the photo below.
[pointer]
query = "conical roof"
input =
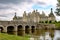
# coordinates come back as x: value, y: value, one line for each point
x: 51, y: 13
x: 15, y: 17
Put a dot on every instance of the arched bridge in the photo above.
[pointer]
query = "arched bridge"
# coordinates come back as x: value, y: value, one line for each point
x: 9, y: 26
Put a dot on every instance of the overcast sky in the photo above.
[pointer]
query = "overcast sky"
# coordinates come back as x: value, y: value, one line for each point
x: 9, y: 7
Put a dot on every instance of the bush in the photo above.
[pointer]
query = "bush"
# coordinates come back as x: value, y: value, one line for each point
x: 55, y: 21
x: 58, y: 21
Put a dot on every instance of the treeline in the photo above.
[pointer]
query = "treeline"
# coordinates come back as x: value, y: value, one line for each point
x: 49, y: 22
x: 57, y: 23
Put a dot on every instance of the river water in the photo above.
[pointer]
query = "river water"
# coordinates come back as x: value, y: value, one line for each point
x: 41, y: 34
x: 46, y: 35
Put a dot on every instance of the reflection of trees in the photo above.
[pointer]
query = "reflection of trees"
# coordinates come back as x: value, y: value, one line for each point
x: 40, y: 32
x: 51, y: 32
x: 52, y: 35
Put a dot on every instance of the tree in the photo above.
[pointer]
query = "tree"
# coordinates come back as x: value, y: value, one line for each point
x: 58, y: 21
x: 58, y: 8
x: 55, y: 21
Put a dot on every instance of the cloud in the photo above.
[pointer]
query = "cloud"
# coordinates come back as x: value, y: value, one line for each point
x: 10, y: 1
x: 14, y: 1
x: 9, y: 7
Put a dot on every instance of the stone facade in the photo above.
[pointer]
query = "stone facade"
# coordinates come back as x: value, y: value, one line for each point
x: 35, y: 16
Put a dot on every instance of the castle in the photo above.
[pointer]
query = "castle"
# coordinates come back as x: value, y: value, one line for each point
x: 35, y: 16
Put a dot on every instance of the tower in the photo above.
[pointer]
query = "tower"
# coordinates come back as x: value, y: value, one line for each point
x: 51, y: 16
x: 51, y: 13
x: 24, y: 16
x: 15, y: 17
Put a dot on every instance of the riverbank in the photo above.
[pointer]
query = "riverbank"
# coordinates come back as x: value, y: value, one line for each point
x: 4, y: 36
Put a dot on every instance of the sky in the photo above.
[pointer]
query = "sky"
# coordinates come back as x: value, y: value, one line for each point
x: 9, y: 7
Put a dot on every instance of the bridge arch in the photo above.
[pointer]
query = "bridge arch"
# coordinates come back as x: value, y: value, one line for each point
x: 33, y: 29
x: 19, y: 30
x: 10, y: 29
x: 27, y: 29
x: 1, y: 28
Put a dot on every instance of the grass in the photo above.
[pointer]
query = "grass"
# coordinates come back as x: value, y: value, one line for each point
x: 12, y: 37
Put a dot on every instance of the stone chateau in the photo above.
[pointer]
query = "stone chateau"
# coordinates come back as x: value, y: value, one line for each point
x: 35, y: 16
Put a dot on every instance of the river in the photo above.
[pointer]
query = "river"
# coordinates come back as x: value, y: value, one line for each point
x: 46, y: 35
x: 41, y: 34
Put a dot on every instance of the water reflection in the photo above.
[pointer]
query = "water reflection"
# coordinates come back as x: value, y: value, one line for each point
x: 43, y: 34
x: 31, y: 38
x: 47, y: 35
x: 40, y: 34
x: 19, y: 33
x: 41, y: 37
x: 57, y: 35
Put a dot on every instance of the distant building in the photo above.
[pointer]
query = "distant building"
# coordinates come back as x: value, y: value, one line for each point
x: 35, y: 16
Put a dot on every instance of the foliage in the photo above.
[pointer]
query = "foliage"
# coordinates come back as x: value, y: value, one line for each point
x: 58, y: 8
x: 58, y: 1
x: 55, y: 21
x: 57, y: 24
x: 58, y: 21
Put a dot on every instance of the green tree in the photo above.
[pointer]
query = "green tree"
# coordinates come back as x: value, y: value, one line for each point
x: 58, y: 8
x: 58, y: 21
x: 55, y: 21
